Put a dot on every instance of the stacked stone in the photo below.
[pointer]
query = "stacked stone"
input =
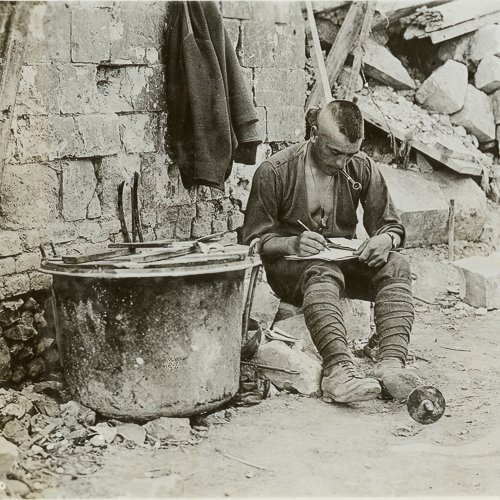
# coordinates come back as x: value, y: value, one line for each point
x: 27, y: 344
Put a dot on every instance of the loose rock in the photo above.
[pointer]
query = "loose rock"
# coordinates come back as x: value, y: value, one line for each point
x: 164, y: 428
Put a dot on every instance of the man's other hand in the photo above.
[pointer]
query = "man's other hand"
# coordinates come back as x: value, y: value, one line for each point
x: 375, y: 251
x: 309, y: 243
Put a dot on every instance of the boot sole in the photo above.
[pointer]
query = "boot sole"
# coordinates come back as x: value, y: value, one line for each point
x: 400, y: 385
x: 365, y: 394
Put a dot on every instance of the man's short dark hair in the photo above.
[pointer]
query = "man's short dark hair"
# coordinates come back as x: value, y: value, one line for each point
x: 348, y: 117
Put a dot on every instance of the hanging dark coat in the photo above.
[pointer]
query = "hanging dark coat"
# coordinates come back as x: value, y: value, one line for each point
x: 211, y: 117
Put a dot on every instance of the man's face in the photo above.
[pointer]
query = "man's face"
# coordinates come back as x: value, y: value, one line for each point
x: 331, y: 149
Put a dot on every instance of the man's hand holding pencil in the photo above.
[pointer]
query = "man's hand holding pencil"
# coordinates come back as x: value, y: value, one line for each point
x: 309, y: 243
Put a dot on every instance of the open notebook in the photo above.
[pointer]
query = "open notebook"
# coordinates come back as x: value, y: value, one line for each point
x: 338, y: 249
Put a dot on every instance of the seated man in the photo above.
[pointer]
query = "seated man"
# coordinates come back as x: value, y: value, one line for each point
x: 302, y: 183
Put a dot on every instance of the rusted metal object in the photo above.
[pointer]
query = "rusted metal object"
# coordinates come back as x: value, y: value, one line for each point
x: 140, y: 342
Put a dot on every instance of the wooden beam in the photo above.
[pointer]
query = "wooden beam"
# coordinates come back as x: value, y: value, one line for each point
x: 358, y: 50
x: 391, y: 11
x: 338, y: 53
x: 462, y: 167
x: 463, y: 28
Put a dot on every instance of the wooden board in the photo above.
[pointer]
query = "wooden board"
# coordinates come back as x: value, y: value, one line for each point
x: 456, y: 165
x: 463, y: 28
x: 344, y: 42
x: 98, y: 255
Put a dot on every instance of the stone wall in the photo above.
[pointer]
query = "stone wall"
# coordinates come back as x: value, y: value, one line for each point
x: 90, y: 111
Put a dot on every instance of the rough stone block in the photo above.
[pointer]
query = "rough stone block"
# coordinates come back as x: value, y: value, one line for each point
x: 233, y: 30
x: 285, y: 123
x: 91, y: 231
x: 99, y: 134
x: 262, y: 123
x: 29, y: 196
x: 487, y: 77
x: 64, y: 140
x: 30, y: 141
x: 279, y: 87
x: 239, y: 183
x: 5, y: 374
x: 34, y: 96
x: 164, y: 429
x: 279, y: 12
x: 485, y: 42
x: 137, y: 31
x: 48, y: 33
x: 268, y: 45
x: 201, y: 227
x: 345, y: 76
x: 278, y: 354
x: 75, y: 89
x: 16, y: 284
x: 20, y: 332
x: 27, y: 262
x: 10, y: 243
x: 110, y: 172
x: 480, y: 280
x: 235, y: 221
x: 444, y: 91
x: 131, y: 88
x: 421, y: 205
x: 476, y: 116
x: 471, y: 209
x: 90, y: 34
x: 265, y: 305
x: 7, y: 266
x: 456, y: 49
x: 61, y: 231
x: 237, y: 10
x: 8, y: 456
x: 495, y: 99
x: 78, y: 187
x: 40, y: 281
x: 380, y: 64
x: 219, y: 225
x: 137, y: 133
x: 296, y: 326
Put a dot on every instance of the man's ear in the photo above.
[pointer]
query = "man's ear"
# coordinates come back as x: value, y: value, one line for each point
x: 313, y: 134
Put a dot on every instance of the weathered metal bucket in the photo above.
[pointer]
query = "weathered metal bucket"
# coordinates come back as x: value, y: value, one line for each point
x: 144, y: 341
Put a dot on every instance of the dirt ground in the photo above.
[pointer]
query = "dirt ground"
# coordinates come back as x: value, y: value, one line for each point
x: 306, y: 447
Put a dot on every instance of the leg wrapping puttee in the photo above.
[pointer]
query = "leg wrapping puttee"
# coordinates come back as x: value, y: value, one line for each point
x: 324, y: 319
x: 394, y: 313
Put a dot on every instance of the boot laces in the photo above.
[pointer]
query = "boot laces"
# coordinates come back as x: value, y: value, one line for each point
x: 350, y: 369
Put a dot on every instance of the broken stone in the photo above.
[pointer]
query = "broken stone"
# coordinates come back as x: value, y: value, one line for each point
x: 480, y: 280
x: 476, y: 116
x: 30, y: 305
x: 421, y: 204
x: 39, y: 321
x: 5, y: 370
x: 15, y: 431
x: 18, y: 373
x: 8, y: 456
x: 105, y: 434
x: 265, y: 304
x: 35, y: 367
x: 456, y: 49
x: 495, y: 99
x: 487, y: 77
x: 164, y: 428
x: 132, y: 432
x: 444, y: 91
x: 380, y: 64
x: 279, y: 355
x: 43, y: 345
x: 20, y: 332
x: 296, y: 326
x: 285, y: 311
x: 9, y: 312
x: 485, y: 42
x: 17, y: 489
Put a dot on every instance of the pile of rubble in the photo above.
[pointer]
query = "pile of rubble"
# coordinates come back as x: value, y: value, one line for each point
x: 45, y: 439
x: 27, y: 343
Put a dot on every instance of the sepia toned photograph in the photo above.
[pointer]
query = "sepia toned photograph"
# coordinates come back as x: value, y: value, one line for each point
x: 249, y: 249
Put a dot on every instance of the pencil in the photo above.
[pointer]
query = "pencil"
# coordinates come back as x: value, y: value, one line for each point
x: 307, y: 229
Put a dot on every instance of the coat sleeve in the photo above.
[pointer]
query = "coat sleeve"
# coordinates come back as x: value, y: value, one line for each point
x: 380, y: 213
x: 261, y: 215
